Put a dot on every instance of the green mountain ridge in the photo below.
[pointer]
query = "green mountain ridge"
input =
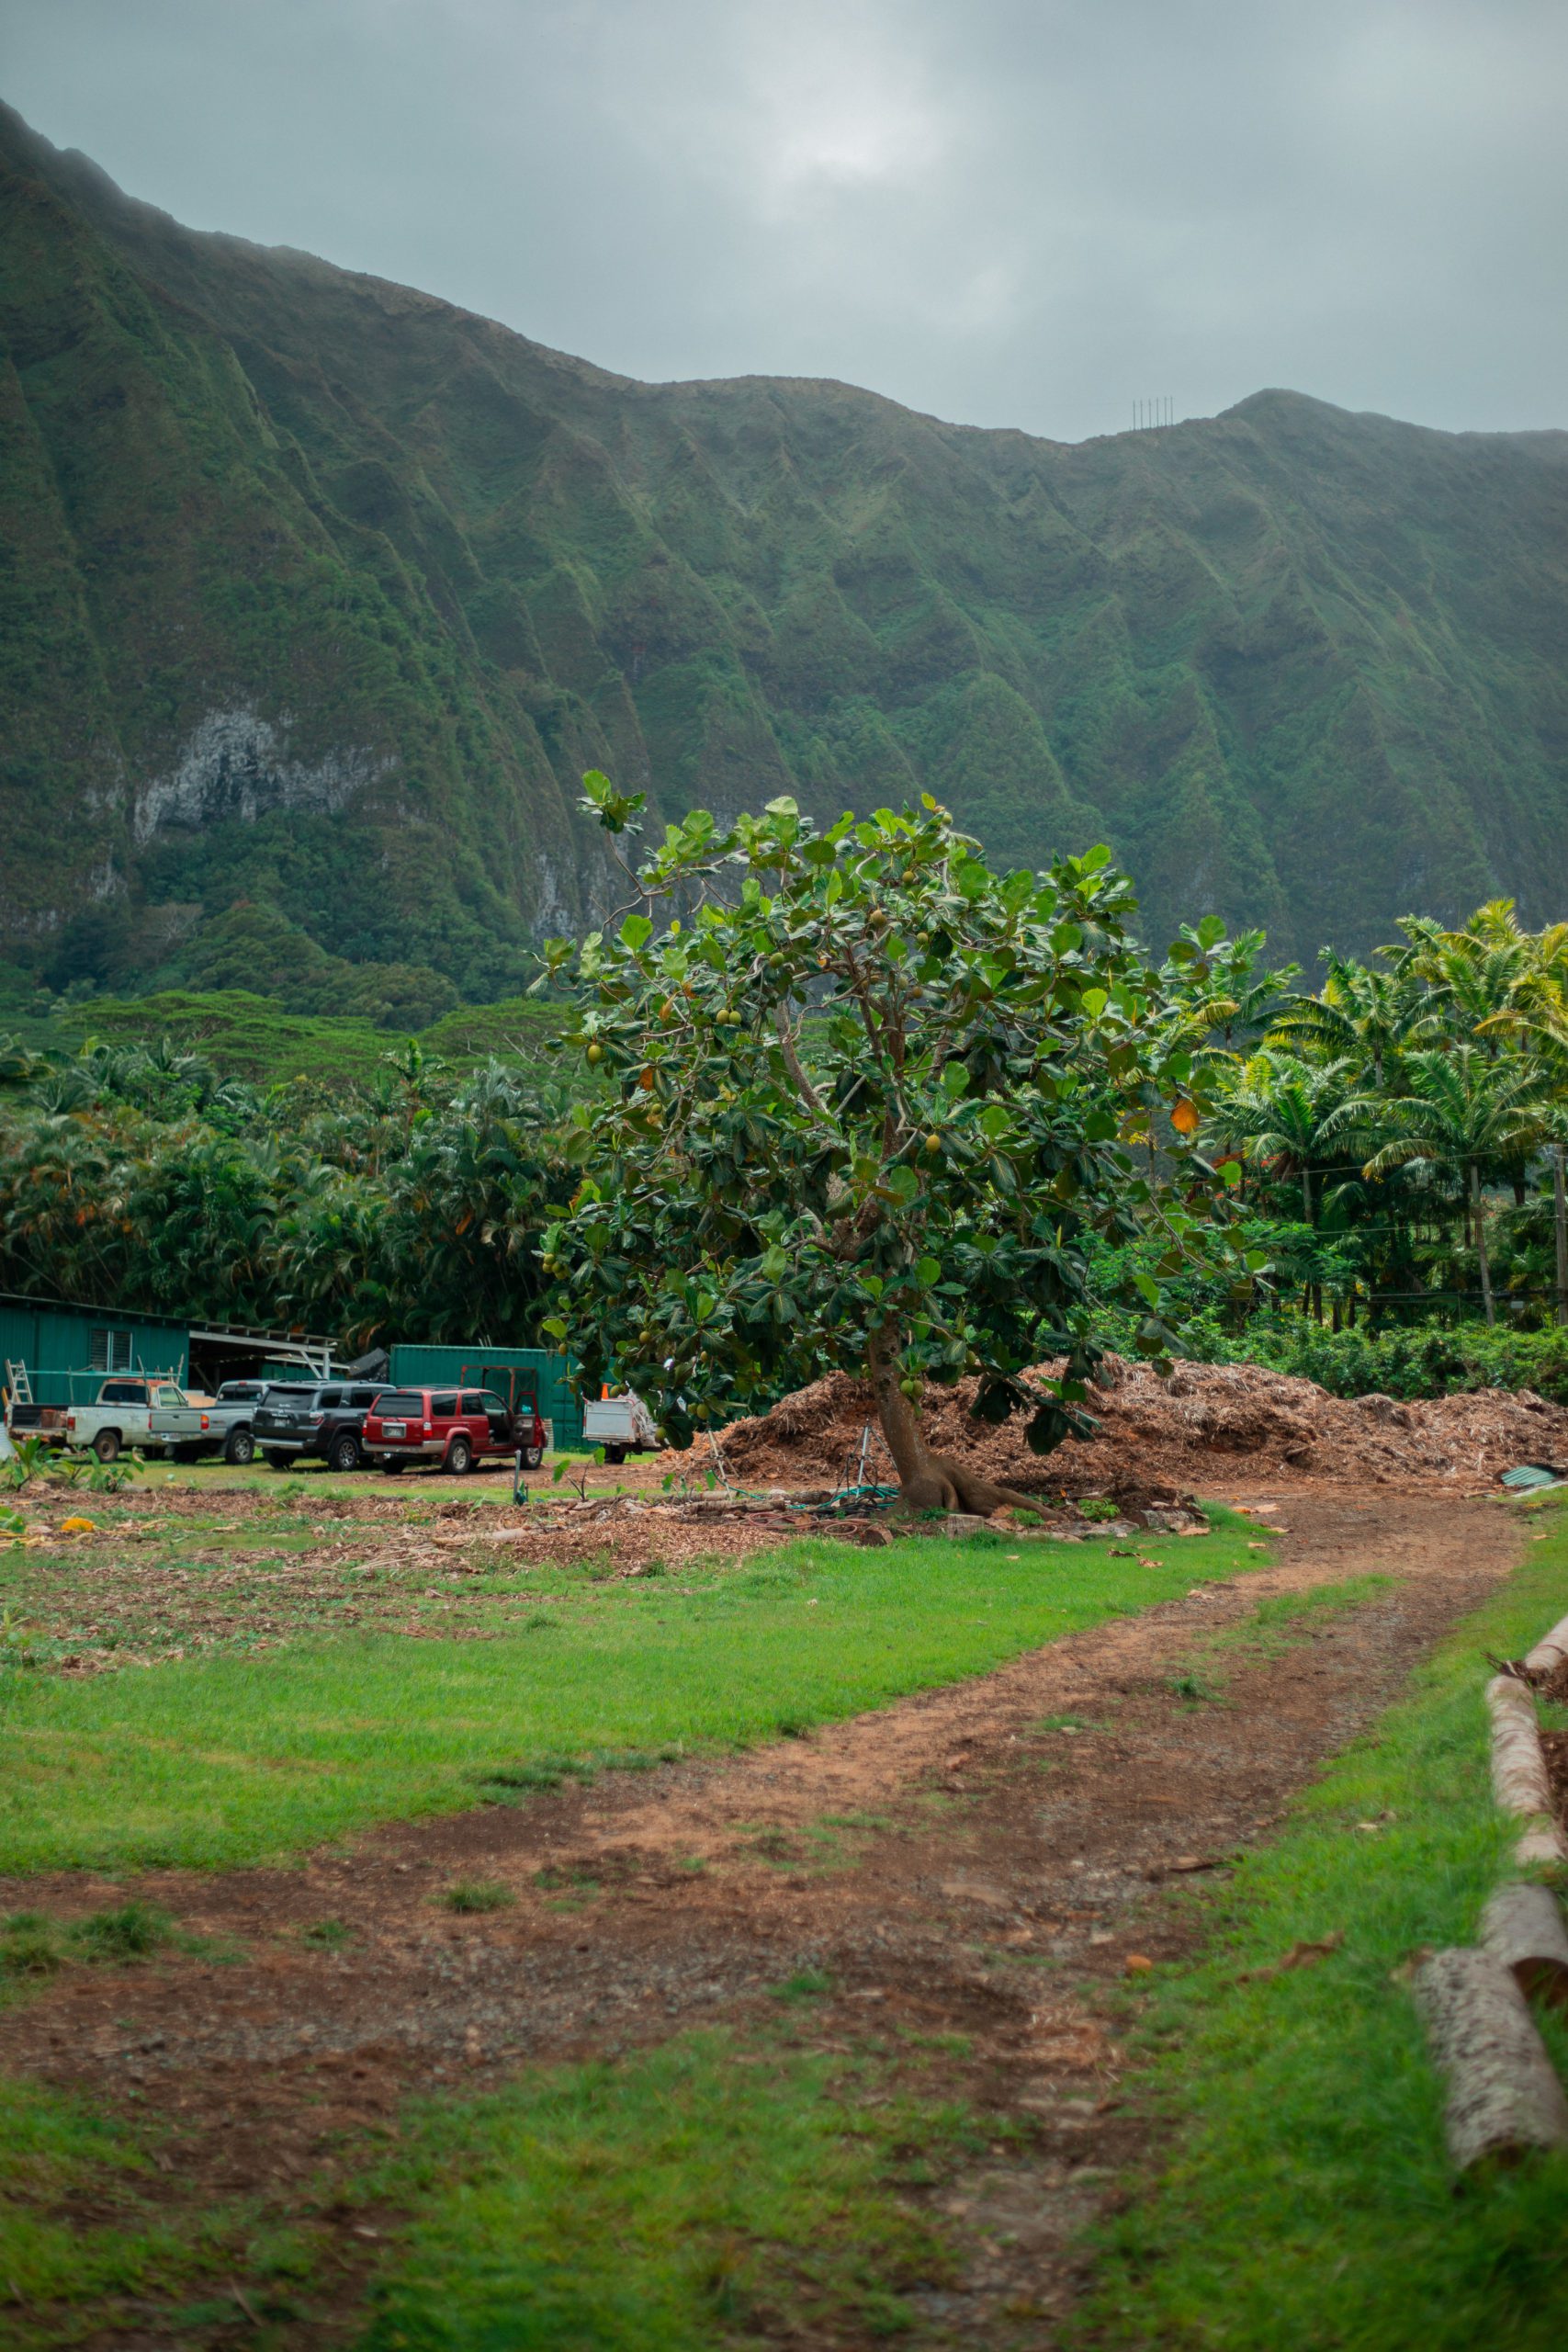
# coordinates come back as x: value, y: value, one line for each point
x: 319, y: 593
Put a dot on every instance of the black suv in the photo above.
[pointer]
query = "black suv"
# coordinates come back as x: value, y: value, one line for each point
x: 293, y: 1420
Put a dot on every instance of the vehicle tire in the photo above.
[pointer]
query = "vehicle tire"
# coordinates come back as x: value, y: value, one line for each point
x: 344, y: 1453
x: 615, y: 1456
x: 533, y: 1457
x: 459, y: 1458
x: 240, y: 1447
x: 106, y: 1445
x: 391, y: 1467
x: 276, y: 1461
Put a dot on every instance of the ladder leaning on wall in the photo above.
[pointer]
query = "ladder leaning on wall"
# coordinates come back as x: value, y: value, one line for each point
x: 16, y: 1380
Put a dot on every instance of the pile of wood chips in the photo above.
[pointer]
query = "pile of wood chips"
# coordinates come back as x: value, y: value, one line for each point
x: 1205, y: 1426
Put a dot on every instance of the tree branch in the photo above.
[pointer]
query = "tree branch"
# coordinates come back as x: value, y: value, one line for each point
x: 803, y: 1085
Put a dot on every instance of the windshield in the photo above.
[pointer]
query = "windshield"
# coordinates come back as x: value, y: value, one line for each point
x: 405, y: 1403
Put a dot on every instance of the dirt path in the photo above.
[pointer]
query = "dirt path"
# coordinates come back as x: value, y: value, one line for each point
x: 925, y: 1859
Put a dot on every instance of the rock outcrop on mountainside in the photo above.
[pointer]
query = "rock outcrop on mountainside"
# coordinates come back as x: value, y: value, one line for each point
x: 321, y: 592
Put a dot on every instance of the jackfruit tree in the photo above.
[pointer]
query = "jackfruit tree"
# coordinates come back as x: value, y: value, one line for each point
x: 862, y: 1105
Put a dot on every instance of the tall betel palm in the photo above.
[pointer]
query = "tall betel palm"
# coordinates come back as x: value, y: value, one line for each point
x: 1463, y: 1109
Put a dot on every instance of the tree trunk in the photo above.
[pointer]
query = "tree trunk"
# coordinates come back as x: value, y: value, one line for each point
x: 1306, y: 1193
x: 1479, y: 1208
x: 928, y: 1481
x: 1559, y: 1229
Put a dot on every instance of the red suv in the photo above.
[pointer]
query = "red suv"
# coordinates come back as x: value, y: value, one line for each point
x: 454, y: 1427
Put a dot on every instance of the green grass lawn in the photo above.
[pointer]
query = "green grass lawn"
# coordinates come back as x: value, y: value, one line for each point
x: 748, y: 2185
x: 231, y: 1759
x: 1308, y: 2202
x: 749, y: 2190
x: 720, y: 2189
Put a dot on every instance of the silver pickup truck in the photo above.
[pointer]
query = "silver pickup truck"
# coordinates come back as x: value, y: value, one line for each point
x: 153, y: 1416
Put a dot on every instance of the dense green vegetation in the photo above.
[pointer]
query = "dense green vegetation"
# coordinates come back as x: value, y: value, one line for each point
x: 207, y: 1761
x: 321, y: 594
x: 1410, y: 1120
x: 404, y: 1205
x: 1390, y: 1144
x: 241, y: 1035
x: 1308, y: 2200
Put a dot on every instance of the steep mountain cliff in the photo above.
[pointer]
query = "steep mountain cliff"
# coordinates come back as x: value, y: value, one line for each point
x: 320, y: 592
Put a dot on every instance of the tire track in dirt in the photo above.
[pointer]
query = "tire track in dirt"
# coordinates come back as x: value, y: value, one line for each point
x: 952, y: 1866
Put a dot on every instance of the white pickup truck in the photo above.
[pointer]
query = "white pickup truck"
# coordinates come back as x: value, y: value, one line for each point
x: 151, y: 1415
x: 622, y: 1425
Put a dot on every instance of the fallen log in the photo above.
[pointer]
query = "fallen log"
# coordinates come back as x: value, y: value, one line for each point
x: 1519, y: 1781
x: 491, y: 1535
x: 1522, y: 1928
x: 1504, y: 2098
x: 1541, y: 1846
x: 1550, y: 1652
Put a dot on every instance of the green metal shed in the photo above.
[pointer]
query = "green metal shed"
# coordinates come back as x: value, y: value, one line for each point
x: 65, y: 1348
x: 506, y: 1370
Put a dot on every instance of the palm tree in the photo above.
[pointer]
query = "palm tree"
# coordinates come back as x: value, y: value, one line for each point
x: 1537, y: 1011
x: 1359, y: 1016
x: 1283, y: 1109
x: 1463, y: 1110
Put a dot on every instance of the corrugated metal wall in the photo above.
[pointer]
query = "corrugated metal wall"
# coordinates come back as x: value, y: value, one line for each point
x: 56, y: 1345
x: 549, y: 1373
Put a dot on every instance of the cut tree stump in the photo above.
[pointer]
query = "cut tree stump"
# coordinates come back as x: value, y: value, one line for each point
x: 1522, y: 1928
x: 1504, y: 2098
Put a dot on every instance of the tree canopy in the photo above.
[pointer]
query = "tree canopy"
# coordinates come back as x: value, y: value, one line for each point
x: 870, y: 1104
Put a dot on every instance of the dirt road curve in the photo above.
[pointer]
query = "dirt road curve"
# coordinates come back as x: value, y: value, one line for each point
x: 917, y: 1856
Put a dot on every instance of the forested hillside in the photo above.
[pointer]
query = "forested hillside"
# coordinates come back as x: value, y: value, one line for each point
x: 320, y: 593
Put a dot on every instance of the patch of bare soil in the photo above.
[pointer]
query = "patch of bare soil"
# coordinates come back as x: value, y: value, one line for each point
x: 1159, y: 1439
x: 990, y: 1861
x: 165, y: 1575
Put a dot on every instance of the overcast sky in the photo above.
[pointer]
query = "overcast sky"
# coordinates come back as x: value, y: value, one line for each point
x: 1024, y: 212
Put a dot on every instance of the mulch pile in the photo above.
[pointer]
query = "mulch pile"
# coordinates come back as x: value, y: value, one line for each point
x: 1161, y: 1438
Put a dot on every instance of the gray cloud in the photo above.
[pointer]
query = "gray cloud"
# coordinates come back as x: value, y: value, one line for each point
x: 1006, y: 211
